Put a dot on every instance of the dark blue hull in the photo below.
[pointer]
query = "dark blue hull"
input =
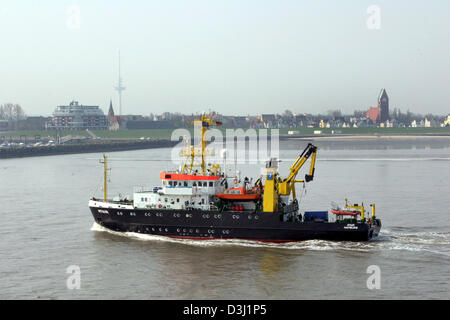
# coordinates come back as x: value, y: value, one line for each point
x: 262, y: 226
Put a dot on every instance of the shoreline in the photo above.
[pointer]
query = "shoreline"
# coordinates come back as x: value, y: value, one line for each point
x: 368, y: 137
x: 133, y: 144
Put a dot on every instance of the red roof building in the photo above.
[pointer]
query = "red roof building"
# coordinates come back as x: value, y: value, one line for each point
x: 373, y: 114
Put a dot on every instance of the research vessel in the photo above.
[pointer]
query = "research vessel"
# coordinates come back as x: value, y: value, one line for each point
x: 201, y: 202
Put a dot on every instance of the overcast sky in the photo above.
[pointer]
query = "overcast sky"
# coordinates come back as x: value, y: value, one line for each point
x: 234, y: 56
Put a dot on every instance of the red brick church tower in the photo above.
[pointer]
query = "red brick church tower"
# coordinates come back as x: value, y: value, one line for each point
x: 383, y: 105
x: 381, y: 112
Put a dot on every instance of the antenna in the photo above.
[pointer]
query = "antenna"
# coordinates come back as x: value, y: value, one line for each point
x: 119, y: 89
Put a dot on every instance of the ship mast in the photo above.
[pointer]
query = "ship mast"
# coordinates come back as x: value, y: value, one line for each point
x: 204, y: 122
x: 105, y: 176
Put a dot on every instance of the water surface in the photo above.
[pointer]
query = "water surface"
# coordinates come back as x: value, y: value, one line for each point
x: 46, y: 227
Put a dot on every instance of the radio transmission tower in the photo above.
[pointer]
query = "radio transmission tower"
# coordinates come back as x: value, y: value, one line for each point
x: 119, y: 88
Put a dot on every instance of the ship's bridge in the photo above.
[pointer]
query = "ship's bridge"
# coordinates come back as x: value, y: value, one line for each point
x: 189, y: 184
x: 179, y: 191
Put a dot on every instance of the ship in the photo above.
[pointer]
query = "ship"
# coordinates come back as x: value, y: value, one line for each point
x: 202, y: 202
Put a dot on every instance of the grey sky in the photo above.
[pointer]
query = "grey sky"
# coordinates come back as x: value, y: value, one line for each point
x: 233, y: 56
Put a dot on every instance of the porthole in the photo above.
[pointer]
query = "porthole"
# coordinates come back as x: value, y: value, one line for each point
x: 256, y: 217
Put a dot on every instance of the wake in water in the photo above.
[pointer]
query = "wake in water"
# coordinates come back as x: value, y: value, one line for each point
x: 432, y: 242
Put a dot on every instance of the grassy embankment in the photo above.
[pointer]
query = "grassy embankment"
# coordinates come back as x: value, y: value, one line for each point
x: 166, y: 133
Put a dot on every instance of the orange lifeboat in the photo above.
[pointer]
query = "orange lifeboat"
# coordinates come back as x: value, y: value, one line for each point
x: 240, y: 194
x: 345, y: 212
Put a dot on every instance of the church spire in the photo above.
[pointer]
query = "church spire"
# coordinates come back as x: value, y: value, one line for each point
x: 111, y: 110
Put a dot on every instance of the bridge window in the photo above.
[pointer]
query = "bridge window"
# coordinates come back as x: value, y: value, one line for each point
x: 185, y: 184
x: 210, y: 183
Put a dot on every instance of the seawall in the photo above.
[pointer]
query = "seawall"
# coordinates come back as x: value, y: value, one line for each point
x: 92, y: 147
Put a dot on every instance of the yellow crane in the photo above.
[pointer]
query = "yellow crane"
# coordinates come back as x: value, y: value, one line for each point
x: 275, y: 186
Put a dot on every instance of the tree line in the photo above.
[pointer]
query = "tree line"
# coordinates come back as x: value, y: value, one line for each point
x: 11, y: 111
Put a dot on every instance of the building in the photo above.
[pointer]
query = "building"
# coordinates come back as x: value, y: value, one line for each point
x: 446, y: 122
x: 4, y: 125
x: 269, y: 120
x: 373, y: 114
x: 148, y: 124
x: 110, y: 111
x: 113, y: 120
x: 383, y: 105
x: 379, y: 114
x: 78, y: 117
